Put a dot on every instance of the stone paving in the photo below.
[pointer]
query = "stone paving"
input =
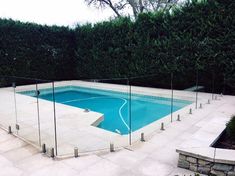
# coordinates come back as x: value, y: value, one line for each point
x: 156, y: 156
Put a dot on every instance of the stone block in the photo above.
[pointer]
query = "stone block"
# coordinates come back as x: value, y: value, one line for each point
x: 217, y: 173
x: 204, y: 163
x: 204, y: 170
x: 193, y: 167
x: 183, y: 164
x: 231, y: 173
x: 222, y: 167
x: 182, y: 157
x: 192, y: 160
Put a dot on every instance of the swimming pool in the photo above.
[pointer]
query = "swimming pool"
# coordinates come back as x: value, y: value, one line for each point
x: 116, y: 106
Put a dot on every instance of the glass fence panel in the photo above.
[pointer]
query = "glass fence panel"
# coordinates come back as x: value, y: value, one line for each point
x: 205, y: 88
x: 46, y: 114
x: 185, y: 93
x: 151, y: 105
x: 91, y: 115
x: 76, y: 117
x: 7, y: 104
x: 26, y: 110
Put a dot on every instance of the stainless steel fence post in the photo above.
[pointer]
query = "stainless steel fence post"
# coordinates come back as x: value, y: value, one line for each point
x: 9, y: 130
x: 44, y: 150
x: 111, y: 147
x: 200, y: 106
x: 39, y: 126
x: 128, y: 81
x: 75, y: 152
x: 190, y: 111
x: 213, y: 85
x: 16, y: 116
x: 208, y: 102
x: 196, y: 89
x: 55, y: 130
x: 162, y: 126
x: 172, y: 91
x: 142, y: 137
x: 52, y: 153
x: 178, y: 117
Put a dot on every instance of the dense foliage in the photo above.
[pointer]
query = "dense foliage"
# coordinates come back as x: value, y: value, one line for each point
x: 197, y: 38
x: 32, y: 50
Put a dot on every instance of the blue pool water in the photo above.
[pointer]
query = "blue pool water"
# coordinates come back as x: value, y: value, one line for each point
x: 115, y: 106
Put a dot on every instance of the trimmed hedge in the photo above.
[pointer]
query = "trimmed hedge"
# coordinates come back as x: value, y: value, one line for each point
x: 197, y: 38
x: 32, y: 50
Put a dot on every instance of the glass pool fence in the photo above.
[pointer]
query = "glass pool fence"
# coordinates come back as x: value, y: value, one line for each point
x: 72, y: 118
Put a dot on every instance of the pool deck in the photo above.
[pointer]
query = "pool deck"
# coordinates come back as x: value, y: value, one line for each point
x: 156, y: 156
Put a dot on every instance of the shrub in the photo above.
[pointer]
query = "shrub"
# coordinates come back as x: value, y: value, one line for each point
x: 231, y: 128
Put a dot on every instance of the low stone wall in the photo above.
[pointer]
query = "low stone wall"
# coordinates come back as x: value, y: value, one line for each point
x: 207, y: 167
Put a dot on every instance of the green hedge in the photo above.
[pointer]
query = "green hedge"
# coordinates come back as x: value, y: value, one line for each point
x: 32, y: 50
x: 199, y: 37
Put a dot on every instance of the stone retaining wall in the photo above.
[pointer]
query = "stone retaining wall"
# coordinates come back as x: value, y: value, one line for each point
x: 205, y: 167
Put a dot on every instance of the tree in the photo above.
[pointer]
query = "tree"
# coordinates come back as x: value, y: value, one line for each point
x: 137, y: 6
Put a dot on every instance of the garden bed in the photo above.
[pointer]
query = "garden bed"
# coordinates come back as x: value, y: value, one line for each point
x: 225, y: 142
x: 227, y: 138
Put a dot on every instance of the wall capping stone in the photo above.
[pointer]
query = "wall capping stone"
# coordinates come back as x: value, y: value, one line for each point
x: 207, y: 159
x: 223, y: 156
